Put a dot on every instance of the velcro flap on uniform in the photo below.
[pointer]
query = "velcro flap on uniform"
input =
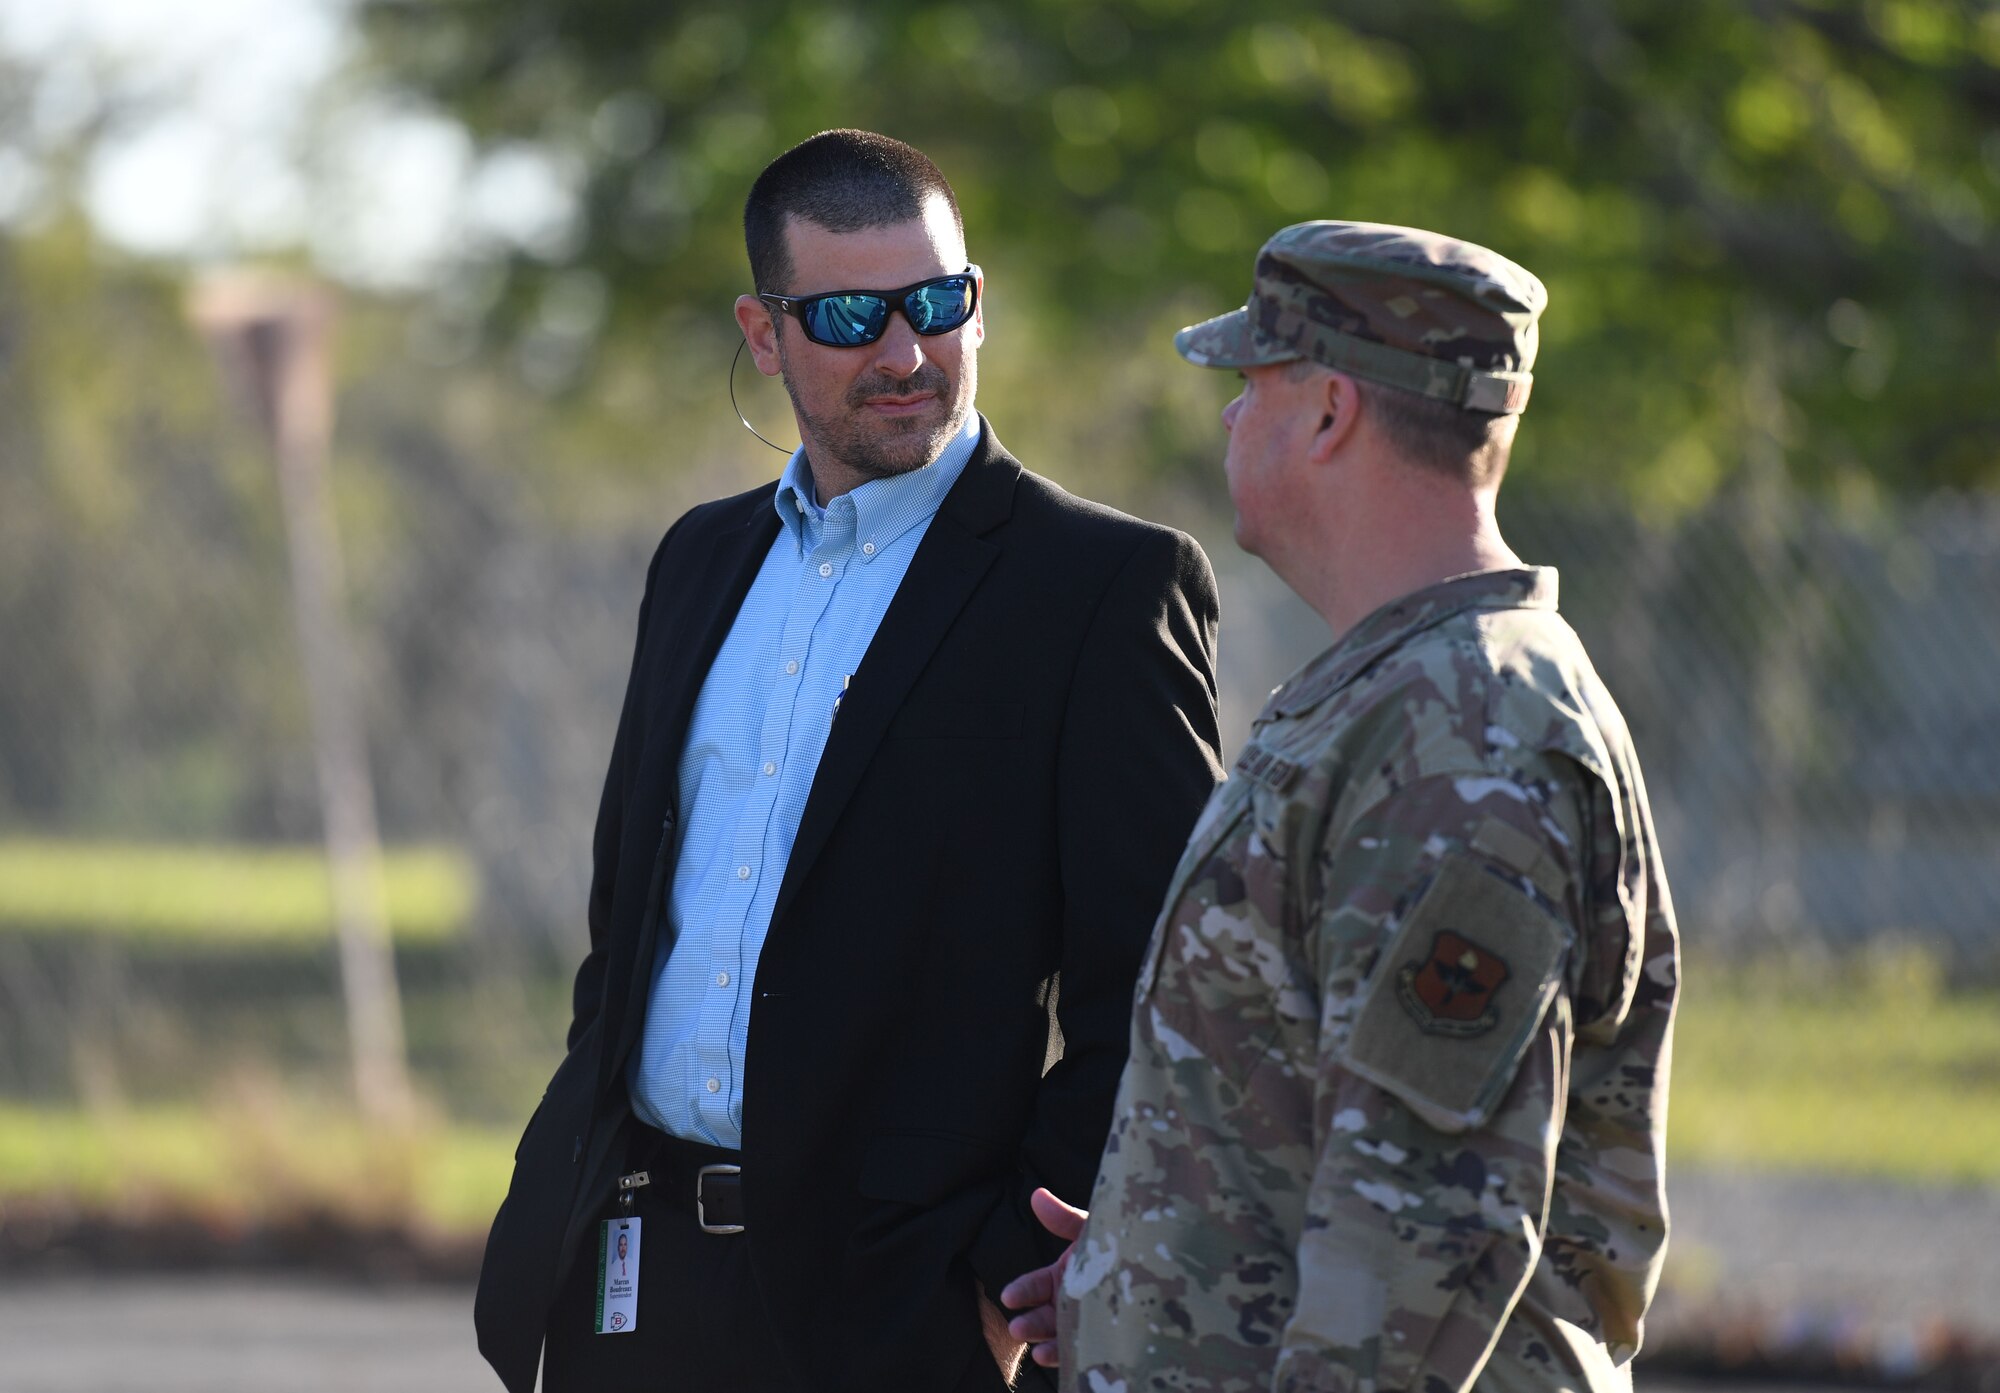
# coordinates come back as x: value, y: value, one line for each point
x: 1510, y: 846
x: 1458, y: 994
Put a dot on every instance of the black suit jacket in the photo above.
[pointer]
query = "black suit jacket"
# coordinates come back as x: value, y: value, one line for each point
x: 979, y: 863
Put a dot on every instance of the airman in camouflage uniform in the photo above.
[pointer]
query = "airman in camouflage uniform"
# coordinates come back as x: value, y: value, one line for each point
x: 1394, y: 1113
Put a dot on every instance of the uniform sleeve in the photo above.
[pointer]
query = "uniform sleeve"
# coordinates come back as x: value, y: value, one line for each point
x: 1608, y: 1220
x: 1444, y: 946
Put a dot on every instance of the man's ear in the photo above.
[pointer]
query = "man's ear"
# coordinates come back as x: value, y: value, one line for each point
x: 1340, y: 406
x: 758, y: 321
x: 979, y: 313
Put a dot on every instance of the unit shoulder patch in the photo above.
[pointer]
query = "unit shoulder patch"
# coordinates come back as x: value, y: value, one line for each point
x: 1458, y: 995
x: 1451, y: 991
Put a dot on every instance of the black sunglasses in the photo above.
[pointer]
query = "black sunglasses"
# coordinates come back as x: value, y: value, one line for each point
x: 853, y: 318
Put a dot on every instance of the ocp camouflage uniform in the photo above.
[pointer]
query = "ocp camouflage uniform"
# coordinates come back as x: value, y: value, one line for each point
x: 1395, y: 1107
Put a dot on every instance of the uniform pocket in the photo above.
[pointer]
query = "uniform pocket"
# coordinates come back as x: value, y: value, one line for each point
x: 1220, y: 978
x: 1218, y: 816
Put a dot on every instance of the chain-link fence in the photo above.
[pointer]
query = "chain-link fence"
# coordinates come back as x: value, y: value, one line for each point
x: 1815, y: 699
x: 1812, y: 694
x: 1818, y: 702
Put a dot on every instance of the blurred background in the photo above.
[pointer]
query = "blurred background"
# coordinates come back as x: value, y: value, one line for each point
x: 1764, y: 452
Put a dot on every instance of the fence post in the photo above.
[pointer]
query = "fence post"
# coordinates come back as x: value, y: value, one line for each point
x: 274, y: 338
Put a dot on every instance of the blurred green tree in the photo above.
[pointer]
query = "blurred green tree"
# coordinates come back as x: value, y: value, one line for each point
x: 1766, y: 225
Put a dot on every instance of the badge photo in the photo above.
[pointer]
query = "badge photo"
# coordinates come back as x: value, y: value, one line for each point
x: 618, y: 1276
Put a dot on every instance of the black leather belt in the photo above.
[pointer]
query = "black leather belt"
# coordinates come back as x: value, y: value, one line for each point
x: 678, y: 1170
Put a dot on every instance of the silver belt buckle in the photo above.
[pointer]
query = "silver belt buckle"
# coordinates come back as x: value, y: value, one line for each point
x: 700, y: 1213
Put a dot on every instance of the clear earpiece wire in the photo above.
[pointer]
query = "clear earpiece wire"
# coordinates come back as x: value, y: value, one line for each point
x: 740, y: 343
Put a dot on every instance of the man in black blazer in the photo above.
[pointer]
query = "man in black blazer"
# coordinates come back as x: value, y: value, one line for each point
x: 956, y: 748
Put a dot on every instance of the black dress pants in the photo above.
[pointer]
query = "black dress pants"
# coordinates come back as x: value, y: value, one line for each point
x: 701, y: 1325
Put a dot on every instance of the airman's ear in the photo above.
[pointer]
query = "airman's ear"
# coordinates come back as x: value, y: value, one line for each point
x: 758, y: 321
x: 1341, y: 407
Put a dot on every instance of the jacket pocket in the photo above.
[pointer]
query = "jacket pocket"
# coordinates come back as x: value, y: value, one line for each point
x: 925, y: 1168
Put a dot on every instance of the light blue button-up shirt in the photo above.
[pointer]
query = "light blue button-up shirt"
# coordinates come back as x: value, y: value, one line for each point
x: 753, y: 745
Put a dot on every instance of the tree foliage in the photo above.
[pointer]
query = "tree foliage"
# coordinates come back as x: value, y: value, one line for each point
x: 1765, y: 224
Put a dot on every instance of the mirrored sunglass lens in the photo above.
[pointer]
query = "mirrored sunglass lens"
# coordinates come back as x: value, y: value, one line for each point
x: 847, y: 320
x: 939, y: 306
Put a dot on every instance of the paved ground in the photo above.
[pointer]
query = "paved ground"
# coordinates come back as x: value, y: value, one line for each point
x: 1806, y: 1254
x: 235, y: 1335
x: 230, y: 1335
x: 1837, y: 1251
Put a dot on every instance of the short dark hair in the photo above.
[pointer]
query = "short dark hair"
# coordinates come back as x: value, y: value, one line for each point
x: 1470, y: 446
x: 843, y: 181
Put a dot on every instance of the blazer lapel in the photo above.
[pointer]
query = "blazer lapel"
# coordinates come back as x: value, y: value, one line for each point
x: 942, y: 576
x: 736, y: 553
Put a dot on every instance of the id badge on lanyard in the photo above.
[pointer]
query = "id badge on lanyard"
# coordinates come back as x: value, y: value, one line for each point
x: 618, y: 1276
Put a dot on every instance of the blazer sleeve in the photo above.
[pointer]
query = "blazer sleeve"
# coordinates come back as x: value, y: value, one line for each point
x: 587, y: 993
x: 1137, y: 759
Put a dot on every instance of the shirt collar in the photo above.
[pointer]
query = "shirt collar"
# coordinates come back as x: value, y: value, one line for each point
x: 884, y: 509
x: 1394, y: 624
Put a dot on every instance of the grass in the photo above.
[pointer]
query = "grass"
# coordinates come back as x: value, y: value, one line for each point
x: 218, y: 894
x: 1868, y: 1070
x: 255, y: 1156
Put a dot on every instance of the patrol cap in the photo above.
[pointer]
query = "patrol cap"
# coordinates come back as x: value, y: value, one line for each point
x: 1396, y: 305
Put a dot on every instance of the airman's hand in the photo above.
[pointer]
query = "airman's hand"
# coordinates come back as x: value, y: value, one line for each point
x: 1034, y: 1293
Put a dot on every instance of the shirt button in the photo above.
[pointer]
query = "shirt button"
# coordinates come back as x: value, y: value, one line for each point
x: 792, y: 667
x: 721, y: 979
x: 715, y: 1085
x: 742, y: 872
x: 769, y: 768
x: 826, y: 568
x: 867, y: 548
